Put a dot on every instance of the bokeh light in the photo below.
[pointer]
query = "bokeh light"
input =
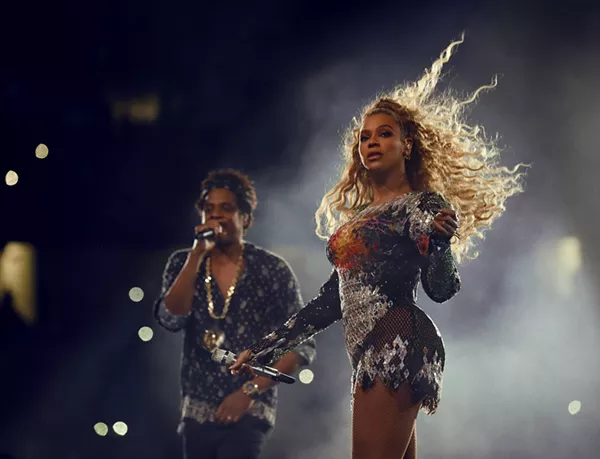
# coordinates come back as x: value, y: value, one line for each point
x: 101, y: 429
x: 136, y: 294
x: 568, y: 251
x: 569, y: 260
x: 120, y: 428
x: 574, y: 407
x: 41, y: 151
x: 11, y: 178
x: 145, y: 334
x: 306, y: 376
x: 143, y: 109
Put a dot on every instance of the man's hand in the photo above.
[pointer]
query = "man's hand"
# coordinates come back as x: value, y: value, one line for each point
x: 233, y: 407
x: 203, y: 246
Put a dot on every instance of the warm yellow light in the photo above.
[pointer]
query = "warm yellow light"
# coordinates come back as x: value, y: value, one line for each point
x: 574, y: 407
x: 145, y: 334
x: 306, y: 376
x: 568, y: 251
x: 120, y: 428
x: 41, y: 151
x: 142, y: 109
x: 101, y: 429
x: 568, y: 261
x: 136, y: 294
x: 11, y: 178
x: 17, y: 279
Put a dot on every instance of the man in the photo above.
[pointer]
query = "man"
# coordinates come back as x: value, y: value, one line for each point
x: 227, y: 293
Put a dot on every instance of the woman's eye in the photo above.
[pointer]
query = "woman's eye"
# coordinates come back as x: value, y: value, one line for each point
x: 364, y: 138
x: 385, y: 134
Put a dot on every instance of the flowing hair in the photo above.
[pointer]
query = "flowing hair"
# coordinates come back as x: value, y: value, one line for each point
x: 448, y: 156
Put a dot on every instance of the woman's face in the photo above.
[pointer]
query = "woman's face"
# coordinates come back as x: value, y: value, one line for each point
x: 382, y: 144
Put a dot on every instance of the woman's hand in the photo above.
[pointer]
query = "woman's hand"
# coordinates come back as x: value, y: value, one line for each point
x: 445, y: 223
x: 240, y: 365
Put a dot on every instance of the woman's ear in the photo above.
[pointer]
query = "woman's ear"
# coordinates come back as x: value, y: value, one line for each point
x: 409, y: 145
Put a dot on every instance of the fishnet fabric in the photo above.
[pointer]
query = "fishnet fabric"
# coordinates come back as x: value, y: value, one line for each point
x: 379, y: 258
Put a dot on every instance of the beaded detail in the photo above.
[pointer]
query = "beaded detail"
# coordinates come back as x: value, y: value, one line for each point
x: 379, y: 257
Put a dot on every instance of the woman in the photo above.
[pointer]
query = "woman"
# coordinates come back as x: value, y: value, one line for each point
x: 413, y: 167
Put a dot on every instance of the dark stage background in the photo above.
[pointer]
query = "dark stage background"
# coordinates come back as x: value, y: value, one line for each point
x: 137, y: 100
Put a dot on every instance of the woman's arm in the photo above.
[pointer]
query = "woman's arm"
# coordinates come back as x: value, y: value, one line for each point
x: 316, y: 316
x: 439, y: 274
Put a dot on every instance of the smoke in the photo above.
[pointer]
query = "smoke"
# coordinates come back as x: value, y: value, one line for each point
x: 509, y: 381
x: 520, y: 337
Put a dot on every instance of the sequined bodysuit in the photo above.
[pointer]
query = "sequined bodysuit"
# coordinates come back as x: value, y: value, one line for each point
x: 378, y: 258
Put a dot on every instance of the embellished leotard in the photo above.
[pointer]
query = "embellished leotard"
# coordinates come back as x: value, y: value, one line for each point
x: 378, y: 258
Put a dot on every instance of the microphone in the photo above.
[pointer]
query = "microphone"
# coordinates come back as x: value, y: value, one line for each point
x: 228, y: 358
x: 207, y: 233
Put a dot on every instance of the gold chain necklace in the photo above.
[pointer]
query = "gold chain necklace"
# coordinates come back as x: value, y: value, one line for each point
x: 230, y: 291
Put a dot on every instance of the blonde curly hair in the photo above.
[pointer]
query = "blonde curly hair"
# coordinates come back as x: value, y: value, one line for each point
x: 448, y: 156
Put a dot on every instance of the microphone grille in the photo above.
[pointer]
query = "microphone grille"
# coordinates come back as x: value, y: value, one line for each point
x: 223, y: 357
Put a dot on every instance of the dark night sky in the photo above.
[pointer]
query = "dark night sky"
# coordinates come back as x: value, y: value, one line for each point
x: 213, y: 69
x: 110, y: 189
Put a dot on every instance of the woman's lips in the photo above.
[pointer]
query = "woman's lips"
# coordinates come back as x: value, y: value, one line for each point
x: 374, y: 156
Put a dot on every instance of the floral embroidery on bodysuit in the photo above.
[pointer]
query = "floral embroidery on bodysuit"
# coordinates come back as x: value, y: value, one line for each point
x: 379, y: 257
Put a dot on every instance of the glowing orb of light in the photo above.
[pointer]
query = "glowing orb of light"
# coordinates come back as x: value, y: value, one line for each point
x: 136, y: 294
x: 120, y: 428
x: 11, y: 178
x: 145, y: 334
x: 574, y: 407
x: 101, y: 429
x: 41, y: 151
x: 306, y: 376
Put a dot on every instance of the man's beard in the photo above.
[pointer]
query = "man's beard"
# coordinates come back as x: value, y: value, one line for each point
x: 224, y: 243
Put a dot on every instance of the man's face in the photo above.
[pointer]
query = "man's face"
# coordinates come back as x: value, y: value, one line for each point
x: 221, y: 206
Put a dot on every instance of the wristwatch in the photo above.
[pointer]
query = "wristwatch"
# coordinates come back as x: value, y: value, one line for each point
x: 250, y: 389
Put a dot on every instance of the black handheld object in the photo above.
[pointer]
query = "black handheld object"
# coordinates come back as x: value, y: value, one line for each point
x: 228, y: 358
x: 207, y: 233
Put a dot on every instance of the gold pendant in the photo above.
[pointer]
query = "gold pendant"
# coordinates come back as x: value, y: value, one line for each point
x: 213, y: 339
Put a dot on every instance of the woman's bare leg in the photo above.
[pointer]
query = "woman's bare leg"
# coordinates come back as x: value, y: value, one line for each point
x: 383, y: 422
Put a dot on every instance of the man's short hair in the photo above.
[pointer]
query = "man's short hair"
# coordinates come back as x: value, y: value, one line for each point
x: 236, y: 182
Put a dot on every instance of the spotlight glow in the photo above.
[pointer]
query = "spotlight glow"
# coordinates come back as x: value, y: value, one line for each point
x: 574, y: 407
x: 569, y: 259
x: 145, y: 334
x: 306, y: 376
x: 120, y: 428
x: 101, y: 429
x: 136, y: 294
x: 11, y: 178
x: 142, y: 109
x: 568, y: 251
x: 41, y: 151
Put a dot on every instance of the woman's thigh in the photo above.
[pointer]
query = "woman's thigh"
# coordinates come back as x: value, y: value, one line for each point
x: 382, y: 421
